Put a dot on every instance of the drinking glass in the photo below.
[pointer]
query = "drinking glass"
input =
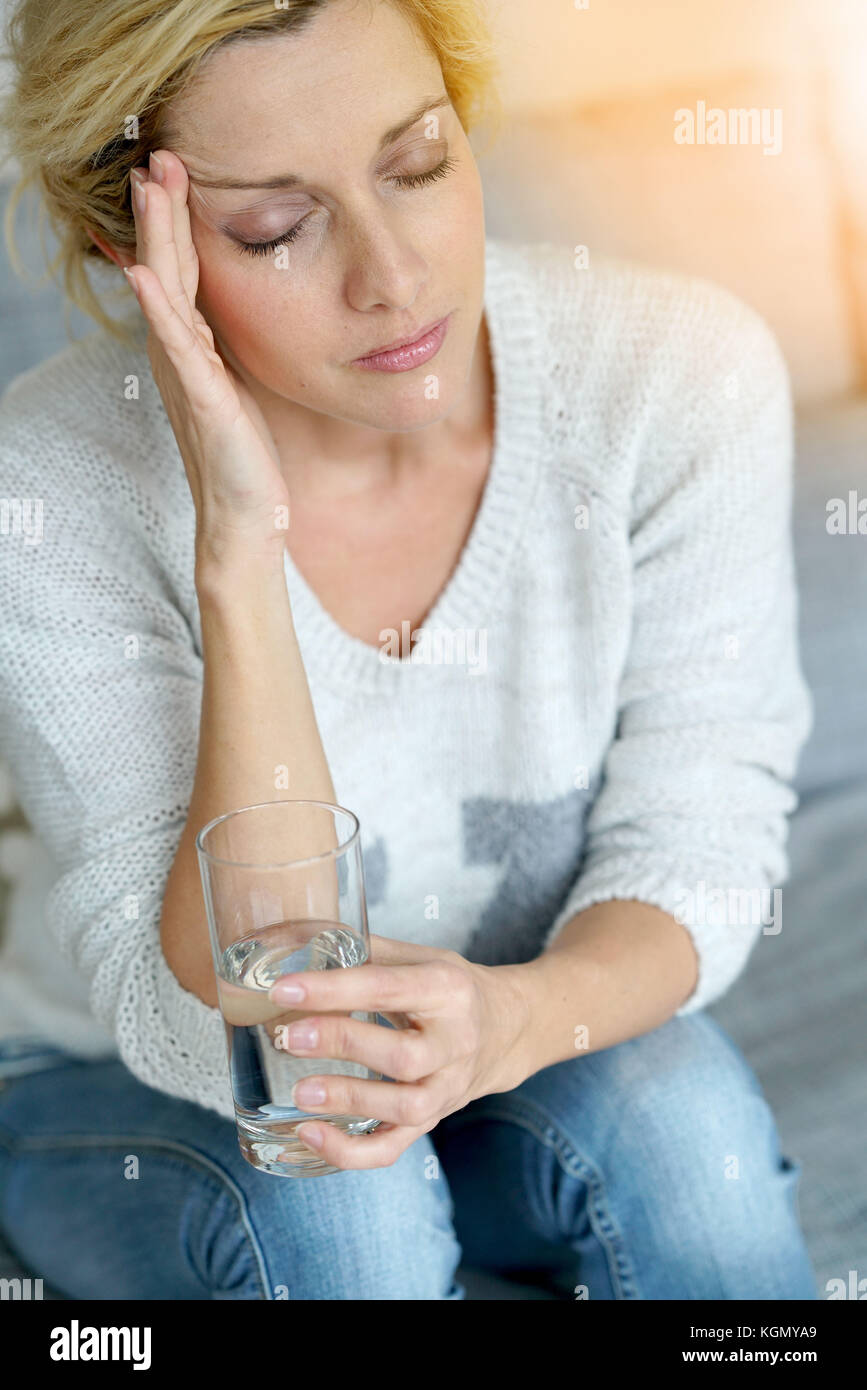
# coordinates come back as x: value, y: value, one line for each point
x: 283, y: 883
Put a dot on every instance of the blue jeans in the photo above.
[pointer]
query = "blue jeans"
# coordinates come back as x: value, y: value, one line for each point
x: 649, y: 1170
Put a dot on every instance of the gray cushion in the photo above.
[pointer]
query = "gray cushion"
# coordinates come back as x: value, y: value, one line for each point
x: 832, y: 576
x: 797, y: 1012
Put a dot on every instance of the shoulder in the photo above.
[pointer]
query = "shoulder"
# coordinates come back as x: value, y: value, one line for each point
x: 79, y: 418
x: 637, y: 319
x: 93, y: 486
x: 85, y: 436
x: 640, y: 363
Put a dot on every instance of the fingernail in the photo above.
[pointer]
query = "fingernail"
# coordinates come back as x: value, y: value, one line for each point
x: 310, y: 1134
x: 284, y: 992
x: 307, y: 1093
x: 157, y: 168
x: 141, y: 196
x: 304, y: 1034
x: 131, y: 278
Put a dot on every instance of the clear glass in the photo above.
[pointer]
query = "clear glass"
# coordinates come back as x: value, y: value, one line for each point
x: 283, y: 883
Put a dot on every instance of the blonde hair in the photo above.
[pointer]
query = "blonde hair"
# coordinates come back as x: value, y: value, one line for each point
x: 92, y: 81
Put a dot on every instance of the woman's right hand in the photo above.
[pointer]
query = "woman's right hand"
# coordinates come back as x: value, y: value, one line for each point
x: 231, y: 460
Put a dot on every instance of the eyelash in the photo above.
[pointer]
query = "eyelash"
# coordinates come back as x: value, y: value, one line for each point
x: 264, y: 248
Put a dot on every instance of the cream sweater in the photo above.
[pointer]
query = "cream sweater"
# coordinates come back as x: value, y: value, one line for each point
x: 611, y: 704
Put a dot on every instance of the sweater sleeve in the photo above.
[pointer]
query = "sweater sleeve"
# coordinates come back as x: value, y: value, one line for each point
x: 100, y: 691
x: 691, y: 815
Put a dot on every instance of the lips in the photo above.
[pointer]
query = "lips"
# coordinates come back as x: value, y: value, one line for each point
x: 401, y: 342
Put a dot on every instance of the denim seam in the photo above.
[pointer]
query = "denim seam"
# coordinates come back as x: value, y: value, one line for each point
x: 197, y: 1159
x: 536, y: 1122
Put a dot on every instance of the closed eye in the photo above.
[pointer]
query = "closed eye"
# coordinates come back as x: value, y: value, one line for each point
x: 265, y: 248
x: 429, y: 176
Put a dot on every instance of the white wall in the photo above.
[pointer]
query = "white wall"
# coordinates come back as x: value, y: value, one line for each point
x: 554, y: 54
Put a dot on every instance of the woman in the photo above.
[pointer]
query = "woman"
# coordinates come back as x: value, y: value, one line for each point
x: 585, y: 475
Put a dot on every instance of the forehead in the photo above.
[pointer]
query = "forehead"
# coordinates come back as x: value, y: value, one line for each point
x: 330, y: 89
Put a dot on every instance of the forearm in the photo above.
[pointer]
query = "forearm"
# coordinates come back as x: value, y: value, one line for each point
x: 256, y: 716
x: 617, y: 970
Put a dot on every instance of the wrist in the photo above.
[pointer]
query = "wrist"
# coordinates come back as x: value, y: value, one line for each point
x: 518, y: 1007
x: 229, y: 541
x: 224, y: 575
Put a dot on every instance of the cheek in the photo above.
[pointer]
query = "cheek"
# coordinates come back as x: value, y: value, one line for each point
x: 460, y: 227
x: 255, y: 312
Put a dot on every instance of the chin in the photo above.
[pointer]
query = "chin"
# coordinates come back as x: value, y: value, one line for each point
x: 408, y: 410
x: 401, y: 400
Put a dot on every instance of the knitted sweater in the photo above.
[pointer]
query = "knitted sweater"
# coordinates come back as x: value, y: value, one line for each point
x: 608, y: 702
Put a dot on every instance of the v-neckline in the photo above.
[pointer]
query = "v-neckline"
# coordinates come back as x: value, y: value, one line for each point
x: 339, y: 658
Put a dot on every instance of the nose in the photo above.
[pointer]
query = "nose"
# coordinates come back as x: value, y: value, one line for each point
x: 384, y: 269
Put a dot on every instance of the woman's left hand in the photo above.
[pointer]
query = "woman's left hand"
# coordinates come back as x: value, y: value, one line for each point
x: 457, y: 1035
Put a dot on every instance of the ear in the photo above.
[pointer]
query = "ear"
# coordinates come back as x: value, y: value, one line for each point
x: 120, y: 258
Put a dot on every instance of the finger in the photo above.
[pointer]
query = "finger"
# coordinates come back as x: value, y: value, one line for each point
x: 386, y: 950
x: 155, y: 243
x: 181, y: 344
x: 396, y: 1102
x: 176, y: 183
x: 379, y: 1149
x: 405, y: 1055
x: 422, y: 988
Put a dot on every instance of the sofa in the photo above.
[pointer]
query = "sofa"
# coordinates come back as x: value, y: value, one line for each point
x: 579, y: 164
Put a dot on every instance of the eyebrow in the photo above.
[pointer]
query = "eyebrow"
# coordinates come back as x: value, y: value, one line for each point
x: 289, y: 180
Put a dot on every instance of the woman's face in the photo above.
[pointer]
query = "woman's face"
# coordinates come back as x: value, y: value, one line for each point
x: 387, y: 231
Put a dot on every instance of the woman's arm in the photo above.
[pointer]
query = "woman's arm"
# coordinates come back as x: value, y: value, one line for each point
x: 256, y: 712
x: 256, y: 715
x: 615, y: 971
x: 686, y: 840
